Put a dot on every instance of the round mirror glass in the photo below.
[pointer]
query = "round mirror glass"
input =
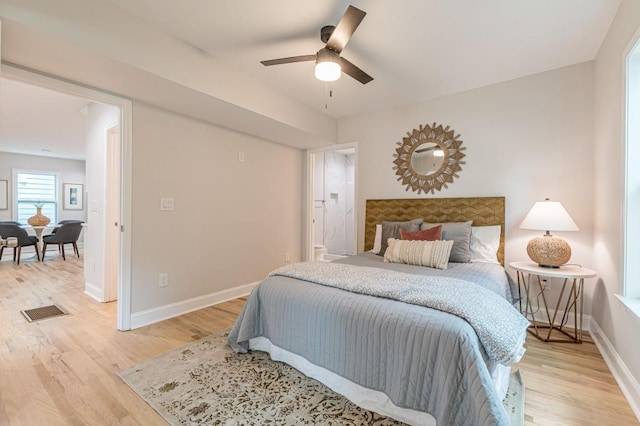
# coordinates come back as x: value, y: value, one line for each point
x: 427, y: 158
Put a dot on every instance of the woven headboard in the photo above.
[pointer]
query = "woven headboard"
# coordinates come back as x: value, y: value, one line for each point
x: 482, y: 210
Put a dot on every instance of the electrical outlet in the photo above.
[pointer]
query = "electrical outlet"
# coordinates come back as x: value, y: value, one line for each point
x: 240, y: 157
x: 166, y: 204
x: 163, y: 280
x: 287, y: 257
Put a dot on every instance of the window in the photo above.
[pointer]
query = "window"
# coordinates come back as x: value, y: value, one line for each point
x: 36, y: 188
x: 631, y: 287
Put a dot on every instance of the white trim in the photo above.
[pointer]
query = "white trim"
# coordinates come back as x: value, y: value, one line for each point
x: 541, y: 316
x: 629, y: 245
x: 632, y: 305
x: 308, y: 211
x: 14, y: 190
x: 52, y: 82
x: 307, y: 235
x: 150, y: 316
x: 628, y: 384
x: 126, y: 179
x: 93, y: 292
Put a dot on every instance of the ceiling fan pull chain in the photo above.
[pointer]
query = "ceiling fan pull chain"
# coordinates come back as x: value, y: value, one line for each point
x: 329, y: 94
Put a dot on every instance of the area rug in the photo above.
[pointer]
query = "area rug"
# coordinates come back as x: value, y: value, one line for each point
x: 206, y: 383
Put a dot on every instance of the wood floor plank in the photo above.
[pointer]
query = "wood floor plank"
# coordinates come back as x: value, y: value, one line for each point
x: 62, y: 371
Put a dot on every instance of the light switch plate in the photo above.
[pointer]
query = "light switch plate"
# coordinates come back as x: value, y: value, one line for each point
x: 163, y: 280
x: 166, y: 204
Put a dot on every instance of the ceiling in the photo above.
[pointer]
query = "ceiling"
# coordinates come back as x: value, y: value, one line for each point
x: 416, y: 50
x: 39, y: 121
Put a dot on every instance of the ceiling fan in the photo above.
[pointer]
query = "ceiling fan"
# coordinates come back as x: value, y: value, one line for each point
x: 329, y: 64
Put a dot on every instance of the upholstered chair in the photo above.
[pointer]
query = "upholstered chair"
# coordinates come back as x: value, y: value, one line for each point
x: 62, y: 222
x: 13, y: 229
x: 66, y: 233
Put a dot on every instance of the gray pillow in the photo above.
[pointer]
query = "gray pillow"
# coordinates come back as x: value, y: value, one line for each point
x: 460, y: 233
x: 392, y: 230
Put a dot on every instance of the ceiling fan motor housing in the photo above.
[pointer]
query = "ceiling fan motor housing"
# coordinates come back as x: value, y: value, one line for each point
x: 327, y: 55
x: 325, y: 33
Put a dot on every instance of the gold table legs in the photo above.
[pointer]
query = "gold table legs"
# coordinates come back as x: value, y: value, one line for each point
x: 573, y: 300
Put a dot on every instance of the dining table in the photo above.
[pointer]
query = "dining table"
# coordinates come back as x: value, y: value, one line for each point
x: 39, y: 230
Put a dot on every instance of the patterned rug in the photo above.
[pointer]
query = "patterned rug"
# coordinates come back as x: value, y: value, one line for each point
x: 205, y: 382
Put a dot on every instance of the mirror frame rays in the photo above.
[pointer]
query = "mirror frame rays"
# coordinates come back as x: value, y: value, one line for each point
x: 448, y: 142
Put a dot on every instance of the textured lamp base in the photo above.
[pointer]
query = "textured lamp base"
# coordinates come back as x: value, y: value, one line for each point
x: 549, y: 251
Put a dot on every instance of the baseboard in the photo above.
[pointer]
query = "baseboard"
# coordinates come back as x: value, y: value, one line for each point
x: 150, y: 316
x: 586, y: 319
x: 628, y: 384
x: 94, y: 292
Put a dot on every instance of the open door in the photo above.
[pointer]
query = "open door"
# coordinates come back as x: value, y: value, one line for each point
x: 112, y: 215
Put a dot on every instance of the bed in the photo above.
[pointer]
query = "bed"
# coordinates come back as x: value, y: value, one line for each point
x: 415, y: 363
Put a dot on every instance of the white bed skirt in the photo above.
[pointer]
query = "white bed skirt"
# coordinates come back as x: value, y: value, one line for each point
x: 359, y: 395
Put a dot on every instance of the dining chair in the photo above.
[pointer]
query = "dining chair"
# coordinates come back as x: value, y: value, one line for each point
x: 66, y: 233
x: 62, y: 222
x: 13, y: 229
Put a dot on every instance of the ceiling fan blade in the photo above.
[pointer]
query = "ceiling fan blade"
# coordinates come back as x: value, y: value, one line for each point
x: 355, y: 72
x: 292, y: 59
x: 345, y: 28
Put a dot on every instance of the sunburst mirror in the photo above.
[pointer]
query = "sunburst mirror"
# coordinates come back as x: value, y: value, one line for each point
x: 428, y: 158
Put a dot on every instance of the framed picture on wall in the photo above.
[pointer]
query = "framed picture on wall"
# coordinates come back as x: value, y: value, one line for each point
x: 73, y: 194
x: 4, y: 194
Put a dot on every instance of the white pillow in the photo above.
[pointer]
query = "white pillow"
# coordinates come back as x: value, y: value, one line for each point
x: 434, y: 254
x: 484, y: 243
x: 377, y: 240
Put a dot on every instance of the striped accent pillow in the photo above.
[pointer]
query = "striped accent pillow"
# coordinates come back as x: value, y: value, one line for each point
x: 434, y: 254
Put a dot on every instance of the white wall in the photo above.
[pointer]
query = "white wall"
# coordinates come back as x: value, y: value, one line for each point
x: 233, y: 222
x: 70, y: 171
x: 100, y: 117
x: 619, y: 326
x: 525, y: 139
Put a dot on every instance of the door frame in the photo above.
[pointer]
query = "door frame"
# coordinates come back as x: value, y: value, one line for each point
x: 309, y: 204
x: 36, y: 78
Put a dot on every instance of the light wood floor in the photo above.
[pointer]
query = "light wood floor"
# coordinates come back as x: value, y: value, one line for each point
x: 62, y: 371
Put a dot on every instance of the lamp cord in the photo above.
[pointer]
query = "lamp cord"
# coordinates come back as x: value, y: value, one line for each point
x: 569, y: 307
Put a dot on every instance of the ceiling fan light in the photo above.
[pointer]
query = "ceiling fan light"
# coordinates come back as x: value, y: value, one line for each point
x: 328, y: 65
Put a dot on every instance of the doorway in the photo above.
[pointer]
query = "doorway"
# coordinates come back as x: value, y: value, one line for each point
x: 111, y: 206
x: 332, y: 207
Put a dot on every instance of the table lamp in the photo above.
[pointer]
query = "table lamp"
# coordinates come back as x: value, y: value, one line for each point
x: 549, y: 251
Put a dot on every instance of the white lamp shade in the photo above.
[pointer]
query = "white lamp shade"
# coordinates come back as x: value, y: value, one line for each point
x: 548, y: 216
x: 328, y: 65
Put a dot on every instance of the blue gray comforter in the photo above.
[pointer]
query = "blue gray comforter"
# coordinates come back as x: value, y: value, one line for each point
x: 421, y: 358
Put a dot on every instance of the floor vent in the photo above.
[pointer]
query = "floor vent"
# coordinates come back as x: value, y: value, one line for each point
x: 45, y: 312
